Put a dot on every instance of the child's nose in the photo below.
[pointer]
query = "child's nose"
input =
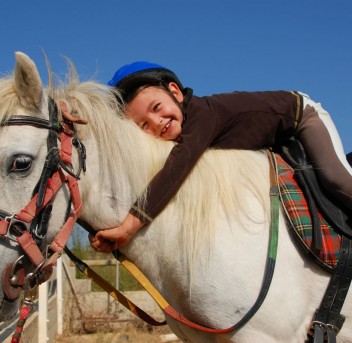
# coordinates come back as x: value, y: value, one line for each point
x: 157, y: 121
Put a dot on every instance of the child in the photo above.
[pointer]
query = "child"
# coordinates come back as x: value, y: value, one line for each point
x: 156, y: 100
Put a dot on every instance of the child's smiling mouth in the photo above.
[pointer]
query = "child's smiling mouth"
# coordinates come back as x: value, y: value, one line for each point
x: 166, y: 127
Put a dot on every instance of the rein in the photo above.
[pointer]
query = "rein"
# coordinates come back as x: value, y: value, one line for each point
x: 57, y: 171
x: 159, y: 299
x: 22, y: 227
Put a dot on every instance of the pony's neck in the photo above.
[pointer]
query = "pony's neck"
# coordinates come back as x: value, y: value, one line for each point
x: 120, y: 166
x: 121, y: 159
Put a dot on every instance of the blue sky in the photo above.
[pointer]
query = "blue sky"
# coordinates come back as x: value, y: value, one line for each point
x: 213, y: 45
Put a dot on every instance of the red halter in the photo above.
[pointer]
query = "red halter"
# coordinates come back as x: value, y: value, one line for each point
x: 16, y: 227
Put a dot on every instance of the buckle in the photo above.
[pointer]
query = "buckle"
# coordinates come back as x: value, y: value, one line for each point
x: 333, y: 327
x: 322, y: 325
x: 15, y: 228
x: 311, y: 328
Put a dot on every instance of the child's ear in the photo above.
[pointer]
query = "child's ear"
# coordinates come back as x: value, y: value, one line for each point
x: 176, y: 92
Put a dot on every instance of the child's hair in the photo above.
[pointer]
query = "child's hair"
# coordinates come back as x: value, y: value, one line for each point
x: 131, y: 77
x: 134, y: 92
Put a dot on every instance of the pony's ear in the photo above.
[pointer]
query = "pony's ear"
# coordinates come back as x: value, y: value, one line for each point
x: 28, y: 83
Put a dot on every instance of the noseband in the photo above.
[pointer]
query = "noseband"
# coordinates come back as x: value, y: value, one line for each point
x: 28, y: 227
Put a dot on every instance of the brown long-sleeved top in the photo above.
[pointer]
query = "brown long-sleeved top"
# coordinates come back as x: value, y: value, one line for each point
x: 239, y: 120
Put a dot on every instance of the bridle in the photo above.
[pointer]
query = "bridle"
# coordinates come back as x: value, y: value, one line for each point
x: 28, y: 227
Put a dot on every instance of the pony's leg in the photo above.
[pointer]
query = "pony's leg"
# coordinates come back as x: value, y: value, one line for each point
x: 329, y: 124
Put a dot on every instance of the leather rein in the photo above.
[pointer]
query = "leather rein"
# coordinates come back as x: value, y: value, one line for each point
x: 57, y: 171
x: 160, y: 300
x: 28, y: 227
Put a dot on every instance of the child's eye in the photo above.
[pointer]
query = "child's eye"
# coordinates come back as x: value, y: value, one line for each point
x: 156, y: 107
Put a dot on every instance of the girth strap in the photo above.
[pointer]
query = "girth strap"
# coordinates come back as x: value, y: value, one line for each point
x: 327, y: 319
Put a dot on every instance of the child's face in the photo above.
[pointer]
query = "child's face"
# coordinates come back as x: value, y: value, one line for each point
x: 156, y: 113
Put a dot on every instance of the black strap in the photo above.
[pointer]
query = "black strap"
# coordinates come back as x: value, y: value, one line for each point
x: 327, y: 319
x: 27, y: 120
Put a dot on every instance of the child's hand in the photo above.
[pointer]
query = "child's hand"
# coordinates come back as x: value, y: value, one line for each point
x: 108, y: 240
x: 101, y: 244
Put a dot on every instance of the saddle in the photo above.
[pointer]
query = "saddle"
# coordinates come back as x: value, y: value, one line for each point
x: 317, y: 220
x: 324, y: 229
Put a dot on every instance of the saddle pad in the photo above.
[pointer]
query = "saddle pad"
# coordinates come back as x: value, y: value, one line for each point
x: 298, y: 215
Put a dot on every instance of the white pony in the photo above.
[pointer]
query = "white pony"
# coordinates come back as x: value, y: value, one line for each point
x: 206, y: 252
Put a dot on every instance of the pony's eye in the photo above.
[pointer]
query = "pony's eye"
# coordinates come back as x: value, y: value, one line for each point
x: 20, y: 164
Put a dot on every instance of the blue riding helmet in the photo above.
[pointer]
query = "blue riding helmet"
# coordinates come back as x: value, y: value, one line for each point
x: 130, y: 77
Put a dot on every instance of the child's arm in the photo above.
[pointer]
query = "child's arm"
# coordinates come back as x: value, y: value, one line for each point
x: 108, y: 240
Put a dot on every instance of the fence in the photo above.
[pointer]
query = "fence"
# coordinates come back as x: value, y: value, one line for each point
x: 47, y: 314
x: 88, y: 310
x: 67, y: 303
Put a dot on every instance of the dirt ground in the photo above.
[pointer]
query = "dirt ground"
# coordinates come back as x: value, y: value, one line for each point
x: 111, y: 338
x: 125, y: 335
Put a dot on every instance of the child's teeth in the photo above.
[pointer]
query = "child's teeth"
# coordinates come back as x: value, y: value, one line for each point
x: 166, y: 127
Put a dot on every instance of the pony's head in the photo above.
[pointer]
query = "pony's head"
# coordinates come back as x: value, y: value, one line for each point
x: 34, y: 194
x: 38, y: 174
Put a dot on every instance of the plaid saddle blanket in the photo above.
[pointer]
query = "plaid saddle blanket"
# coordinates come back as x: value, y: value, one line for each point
x: 297, y: 213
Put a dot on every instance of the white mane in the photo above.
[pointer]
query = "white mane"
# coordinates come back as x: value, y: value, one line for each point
x: 219, y: 182
x: 213, y: 234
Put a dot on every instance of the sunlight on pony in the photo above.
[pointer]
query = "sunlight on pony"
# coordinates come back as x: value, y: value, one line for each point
x: 203, y: 194
x: 206, y: 252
